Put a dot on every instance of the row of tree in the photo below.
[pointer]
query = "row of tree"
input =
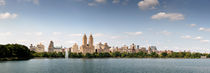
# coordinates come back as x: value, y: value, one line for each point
x: 21, y: 51
x: 124, y: 55
x: 48, y: 54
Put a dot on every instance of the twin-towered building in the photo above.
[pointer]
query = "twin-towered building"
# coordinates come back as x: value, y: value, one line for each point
x: 88, y: 47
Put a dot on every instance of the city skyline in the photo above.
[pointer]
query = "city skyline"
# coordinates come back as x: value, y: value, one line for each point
x: 170, y: 25
x: 88, y: 47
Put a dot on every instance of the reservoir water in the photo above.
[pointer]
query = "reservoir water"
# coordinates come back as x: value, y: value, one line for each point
x: 107, y: 65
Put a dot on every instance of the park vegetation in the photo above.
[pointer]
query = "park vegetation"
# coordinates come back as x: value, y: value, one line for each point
x: 14, y: 52
x: 123, y: 55
x: 19, y: 52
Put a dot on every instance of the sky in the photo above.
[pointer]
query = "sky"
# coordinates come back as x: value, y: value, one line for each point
x: 176, y: 25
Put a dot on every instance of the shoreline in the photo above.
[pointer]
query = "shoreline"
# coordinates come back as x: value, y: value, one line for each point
x: 22, y: 59
x: 14, y: 59
x: 115, y: 58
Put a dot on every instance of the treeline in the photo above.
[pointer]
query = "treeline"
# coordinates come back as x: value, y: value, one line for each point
x: 123, y: 55
x: 17, y: 51
x: 14, y: 51
x: 49, y: 54
x: 139, y: 55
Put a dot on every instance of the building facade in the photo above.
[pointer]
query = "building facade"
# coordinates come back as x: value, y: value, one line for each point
x: 75, y: 48
x: 102, y: 48
x: 39, y: 48
x: 51, y: 47
x: 87, y: 48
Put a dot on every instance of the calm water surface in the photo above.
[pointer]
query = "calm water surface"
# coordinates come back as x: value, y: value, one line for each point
x: 109, y: 65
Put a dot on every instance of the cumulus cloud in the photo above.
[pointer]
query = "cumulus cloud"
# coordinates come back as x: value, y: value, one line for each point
x: 145, y: 4
x: 170, y: 16
x: 34, y: 33
x: 8, y: 15
x: 5, y: 33
x: 116, y: 37
x: 116, y: 1
x: 2, y: 3
x: 99, y: 35
x: 56, y: 33
x: 125, y: 2
x: 79, y: 0
x: 204, y: 29
x: 186, y: 37
x: 165, y: 32
x: 193, y: 25
x: 36, y: 2
x: 71, y: 42
x: 100, y: 1
x: 133, y: 33
x: 38, y: 33
x: 199, y: 38
x: 92, y: 4
x: 96, y: 2
x: 205, y: 41
x: 75, y: 35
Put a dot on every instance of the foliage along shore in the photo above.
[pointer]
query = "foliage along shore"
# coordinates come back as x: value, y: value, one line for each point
x: 122, y: 55
x: 21, y: 52
x: 14, y: 52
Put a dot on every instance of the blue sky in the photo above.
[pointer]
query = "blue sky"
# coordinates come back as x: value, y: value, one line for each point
x: 168, y: 24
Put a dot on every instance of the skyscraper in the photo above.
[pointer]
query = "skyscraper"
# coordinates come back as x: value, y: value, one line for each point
x: 84, y: 40
x: 51, y: 47
x: 75, y: 49
x: 87, y: 48
x: 90, y: 41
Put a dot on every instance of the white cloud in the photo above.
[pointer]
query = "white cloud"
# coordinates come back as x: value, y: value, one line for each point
x: 170, y: 16
x: 133, y: 33
x: 199, y: 38
x: 71, y: 42
x: 96, y: 2
x: 56, y: 33
x: 148, y: 4
x: 205, y: 41
x: 75, y: 35
x: 125, y: 2
x: 21, y: 41
x: 79, y: 0
x: 94, y: 35
x: 34, y: 33
x: 98, y: 35
x: 2, y: 3
x: 116, y: 37
x: 116, y: 1
x: 192, y: 25
x: 38, y: 33
x: 186, y: 37
x: 100, y: 1
x: 5, y: 33
x: 91, y: 4
x: 36, y: 2
x: 7, y: 15
x: 204, y: 29
x: 165, y: 32
x: 28, y: 33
